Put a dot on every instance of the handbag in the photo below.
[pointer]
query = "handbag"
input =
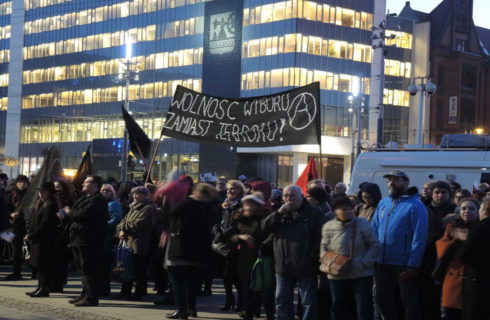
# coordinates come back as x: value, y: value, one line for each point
x: 221, y: 248
x: 333, y: 263
x: 123, y: 269
x: 262, y: 274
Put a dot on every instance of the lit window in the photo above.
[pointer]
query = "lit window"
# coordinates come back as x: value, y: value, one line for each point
x: 89, y: 43
x: 111, y: 94
x: 309, y: 10
x: 401, y: 39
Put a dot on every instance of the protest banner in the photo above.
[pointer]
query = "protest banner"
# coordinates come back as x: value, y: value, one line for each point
x: 287, y: 118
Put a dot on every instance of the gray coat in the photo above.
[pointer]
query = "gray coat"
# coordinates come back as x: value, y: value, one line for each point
x: 336, y: 236
x: 137, y: 226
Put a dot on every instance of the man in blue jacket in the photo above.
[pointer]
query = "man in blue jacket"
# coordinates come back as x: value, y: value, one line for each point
x: 402, y: 228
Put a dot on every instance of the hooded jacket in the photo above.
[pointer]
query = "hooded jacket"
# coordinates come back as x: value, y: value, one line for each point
x: 402, y: 229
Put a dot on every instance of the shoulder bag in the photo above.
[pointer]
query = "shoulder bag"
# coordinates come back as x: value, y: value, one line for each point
x: 333, y: 263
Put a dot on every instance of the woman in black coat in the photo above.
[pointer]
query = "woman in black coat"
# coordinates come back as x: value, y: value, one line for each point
x: 64, y: 198
x: 189, y: 245
x: 42, y: 236
x: 246, y: 234
x: 235, y: 190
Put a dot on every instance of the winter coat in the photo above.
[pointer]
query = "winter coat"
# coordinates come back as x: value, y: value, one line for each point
x: 225, y: 223
x: 401, y: 226
x: 13, y: 199
x: 245, y: 256
x: 449, y: 252
x: 436, y: 215
x: 43, y: 234
x: 326, y: 211
x: 137, y: 226
x: 115, y: 216
x: 337, y: 235
x: 190, y: 225
x: 89, y: 218
x: 476, y: 257
x: 362, y: 210
x: 296, y: 240
x: 4, y: 215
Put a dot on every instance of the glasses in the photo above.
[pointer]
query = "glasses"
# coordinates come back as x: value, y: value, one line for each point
x: 105, y: 190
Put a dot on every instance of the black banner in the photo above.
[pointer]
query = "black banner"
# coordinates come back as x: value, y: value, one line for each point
x: 286, y: 118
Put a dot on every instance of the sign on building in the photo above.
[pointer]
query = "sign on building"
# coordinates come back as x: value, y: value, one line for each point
x: 222, y: 33
x: 453, y: 110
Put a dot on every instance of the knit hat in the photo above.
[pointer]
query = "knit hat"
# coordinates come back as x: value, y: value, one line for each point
x: 276, y: 194
x: 140, y: 190
x: 318, y: 194
x: 21, y: 177
x: 255, y: 198
x: 342, y: 202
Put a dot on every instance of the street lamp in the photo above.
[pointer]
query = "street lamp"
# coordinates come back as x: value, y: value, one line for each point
x: 426, y: 88
x: 379, y: 38
x: 356, y: 108
x: 130, y: 71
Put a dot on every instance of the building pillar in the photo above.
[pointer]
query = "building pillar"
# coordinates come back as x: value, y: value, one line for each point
x: 12, y: 130
x: 420, y: 68
x: 300, y: 161
x: 347, y: 171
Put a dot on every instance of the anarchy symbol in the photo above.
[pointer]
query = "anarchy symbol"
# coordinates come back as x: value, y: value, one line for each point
x: 302, y: 111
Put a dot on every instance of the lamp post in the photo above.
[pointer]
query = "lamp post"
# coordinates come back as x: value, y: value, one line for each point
x: 129, y: 72
x: 356, y: 107
x: 426, y: 88
x: 378, y: 42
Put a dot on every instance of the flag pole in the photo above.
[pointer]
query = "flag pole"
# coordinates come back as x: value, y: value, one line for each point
x: 321, y: 161
x: 153, y: 158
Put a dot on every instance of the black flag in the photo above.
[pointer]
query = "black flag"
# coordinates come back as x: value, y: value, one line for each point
x: 84, y: 170
x: 139, y: 142
x: 50, y: 171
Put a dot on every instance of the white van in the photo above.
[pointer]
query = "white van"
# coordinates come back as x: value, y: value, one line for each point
x: 465, y: 166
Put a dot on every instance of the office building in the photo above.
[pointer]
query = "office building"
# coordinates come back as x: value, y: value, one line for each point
x: 67, y: 57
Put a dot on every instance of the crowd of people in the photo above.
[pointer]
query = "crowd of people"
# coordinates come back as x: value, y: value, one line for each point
x: 408, y: 255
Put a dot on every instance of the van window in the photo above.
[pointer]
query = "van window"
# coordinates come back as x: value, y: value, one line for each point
x: 485, y: 177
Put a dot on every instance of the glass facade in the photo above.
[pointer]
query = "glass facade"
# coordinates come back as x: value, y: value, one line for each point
x: 398, y: 72
x: 74, y: 51
x: 328, y: 42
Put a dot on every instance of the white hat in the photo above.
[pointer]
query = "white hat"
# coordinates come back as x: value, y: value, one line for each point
x: 253, y: 198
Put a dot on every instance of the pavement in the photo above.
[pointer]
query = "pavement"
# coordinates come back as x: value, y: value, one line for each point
x: 16, y: 305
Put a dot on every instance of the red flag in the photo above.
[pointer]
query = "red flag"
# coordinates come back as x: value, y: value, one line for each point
x: 308, y: 174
